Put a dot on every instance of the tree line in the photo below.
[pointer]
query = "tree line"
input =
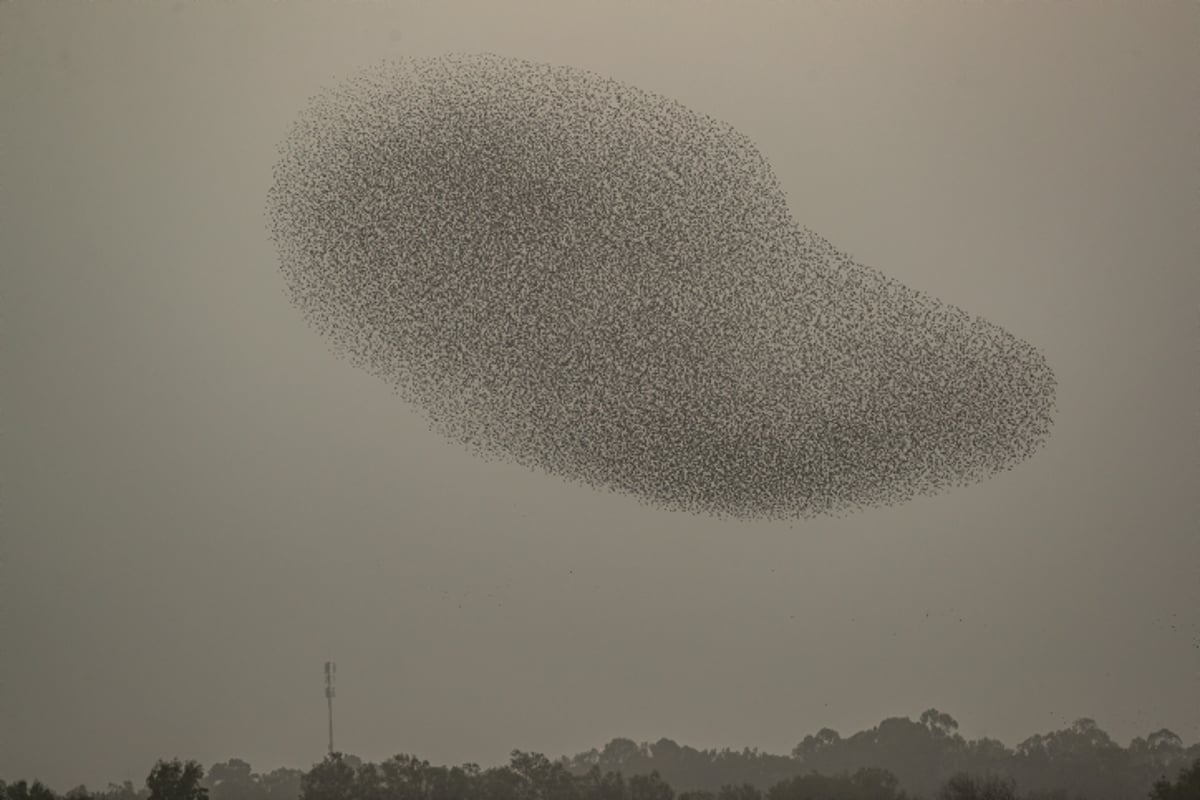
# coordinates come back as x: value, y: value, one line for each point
x: 1080, y: 760
x: 899, y: 759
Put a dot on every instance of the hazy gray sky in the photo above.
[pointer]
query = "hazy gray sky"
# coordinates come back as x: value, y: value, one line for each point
x: 201, y: 504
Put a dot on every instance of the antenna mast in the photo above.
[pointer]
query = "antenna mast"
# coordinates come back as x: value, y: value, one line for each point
x: 330, y: 672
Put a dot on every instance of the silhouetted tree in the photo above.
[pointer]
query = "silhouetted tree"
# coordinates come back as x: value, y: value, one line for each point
x: 22, y: 790
x: 176, y: 780
x: 125, y: 791
x: 921, y: 755
x: 234, y: 780
x: 597, y: 785
x: 282, y: 784
x: 624, y: 756
x: 865, y: 784
x: 966, y: 787
x: 332, y: 779
x: 927, y: 757
x: 549, y: 780
x: 650, y: 787
x: 939, y: 723
x: 1185, y: 787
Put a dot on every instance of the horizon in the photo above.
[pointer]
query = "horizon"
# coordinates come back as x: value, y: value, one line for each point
x: 787, y: 753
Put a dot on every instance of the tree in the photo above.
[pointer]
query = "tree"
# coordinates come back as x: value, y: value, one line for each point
x: 624, y: 756
x: 1159, y: 754
x: 599, y: 785
x: 332, y: 779
x: 965, y: 787
x: 501, y: 783
x: 176, y: 780
x: 22, y: 790
x: 939, y: 723
x: 825, y: 739
x: 875, y: 782
x: 548, y: 779
x: 282, y: 784
x: 233, y: 780
x: 124, y: 791
x: 1185, y: 787
x: 650, y: 787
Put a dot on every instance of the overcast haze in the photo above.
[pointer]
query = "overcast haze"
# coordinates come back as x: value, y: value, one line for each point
x: 201, y: 504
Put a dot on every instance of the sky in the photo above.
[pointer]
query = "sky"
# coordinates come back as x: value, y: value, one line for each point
x: 201, y: 503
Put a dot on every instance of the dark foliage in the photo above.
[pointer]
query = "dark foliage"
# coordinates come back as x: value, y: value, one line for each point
x: 925, y: 756
x: 1185, y: 787
x: 176, y: 780
x: 966, y: 787
x: 899, y: 759
x: 22, y: 790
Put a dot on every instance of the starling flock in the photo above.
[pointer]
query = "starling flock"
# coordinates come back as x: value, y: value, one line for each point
x: 602, y: 284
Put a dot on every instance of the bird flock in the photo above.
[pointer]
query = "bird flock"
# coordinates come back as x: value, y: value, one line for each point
x: 601, y: 284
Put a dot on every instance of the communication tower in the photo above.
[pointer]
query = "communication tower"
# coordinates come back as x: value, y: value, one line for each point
x: 330, y: 673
